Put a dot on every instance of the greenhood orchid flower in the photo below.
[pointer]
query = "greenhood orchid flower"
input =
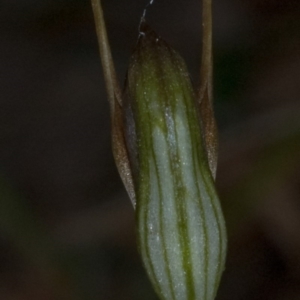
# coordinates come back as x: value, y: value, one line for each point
x: 164, y: 143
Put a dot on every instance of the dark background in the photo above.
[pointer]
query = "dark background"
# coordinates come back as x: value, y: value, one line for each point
x: 66, y: 223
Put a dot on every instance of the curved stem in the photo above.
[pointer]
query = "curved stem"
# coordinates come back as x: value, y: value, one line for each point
x: 115, y: 101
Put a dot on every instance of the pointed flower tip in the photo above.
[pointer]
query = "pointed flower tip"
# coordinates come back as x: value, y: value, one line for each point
x: 148, y: 36
x: 144, y: 28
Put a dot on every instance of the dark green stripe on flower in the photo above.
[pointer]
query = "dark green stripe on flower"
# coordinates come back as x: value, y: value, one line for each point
x: 181, y: 231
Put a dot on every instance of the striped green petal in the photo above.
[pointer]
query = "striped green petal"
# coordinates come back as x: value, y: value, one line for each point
x: 180, y: 226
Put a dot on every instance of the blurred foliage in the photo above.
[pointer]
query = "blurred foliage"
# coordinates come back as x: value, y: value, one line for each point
x: 66, y: 226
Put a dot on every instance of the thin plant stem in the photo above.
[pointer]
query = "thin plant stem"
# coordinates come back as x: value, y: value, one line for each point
x: 112, y: 85
x: 206, y: 88
x: 206, y: 61
x: 114, y: 97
